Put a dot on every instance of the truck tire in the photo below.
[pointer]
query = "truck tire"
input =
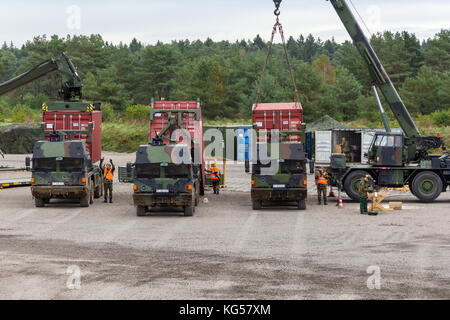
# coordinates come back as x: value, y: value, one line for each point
x: 301, y: 205
x: 140, y: 211
x: 351, y: 183
x: 97, y: 192
x: 411, y: 189
x: 257, y: 204
x: 39, y: 203
x: 188, y: 211
x: 84, y: 202
x: 427, y: 186
x: 91, y: 193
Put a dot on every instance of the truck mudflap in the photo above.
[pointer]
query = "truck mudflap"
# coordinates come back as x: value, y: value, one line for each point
x: 266, y: 194
x: 66, y: 192
x: 162, y: 200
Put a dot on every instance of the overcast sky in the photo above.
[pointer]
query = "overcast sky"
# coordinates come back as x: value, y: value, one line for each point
x: 166, y: 20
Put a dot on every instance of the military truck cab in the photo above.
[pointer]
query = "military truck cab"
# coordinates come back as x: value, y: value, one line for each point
x: 387, y: 150
x: 63, y: 170
x: 163, y: 176
x: 282, y: 179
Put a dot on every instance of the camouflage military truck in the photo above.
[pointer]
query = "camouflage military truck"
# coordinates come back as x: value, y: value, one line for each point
x: 64, y: 170
x: 289, y: 181
x: 279, y: 159
x: 63, y: 163
x: 160, y: 180
x: 169, y: 172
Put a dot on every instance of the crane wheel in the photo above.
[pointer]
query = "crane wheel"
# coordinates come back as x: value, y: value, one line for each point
x: 351, y: 183
x: 427, y: 186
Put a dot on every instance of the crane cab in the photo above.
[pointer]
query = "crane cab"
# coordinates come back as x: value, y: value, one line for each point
x: 387, y: 150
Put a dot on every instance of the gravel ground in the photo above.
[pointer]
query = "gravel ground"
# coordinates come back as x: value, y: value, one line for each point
x: 226, y: 251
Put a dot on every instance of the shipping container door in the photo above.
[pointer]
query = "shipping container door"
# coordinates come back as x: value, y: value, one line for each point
x: 323, y: 146
x: 366, y: 141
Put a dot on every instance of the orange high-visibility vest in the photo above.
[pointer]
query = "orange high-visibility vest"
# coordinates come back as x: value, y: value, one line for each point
x: 322, y: 179
x: 213, y: 175
x: 109, y: 175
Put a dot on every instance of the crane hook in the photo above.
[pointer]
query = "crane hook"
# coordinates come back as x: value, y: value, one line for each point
x: 277, y: 7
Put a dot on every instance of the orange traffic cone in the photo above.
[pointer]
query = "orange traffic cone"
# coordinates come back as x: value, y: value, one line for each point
x: 341, y: 205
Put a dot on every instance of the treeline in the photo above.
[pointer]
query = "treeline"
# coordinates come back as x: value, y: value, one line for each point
x: 331, y: 77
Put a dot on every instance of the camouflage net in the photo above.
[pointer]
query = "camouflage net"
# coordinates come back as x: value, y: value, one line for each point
x: 19, y: 139
x: 325, y: 123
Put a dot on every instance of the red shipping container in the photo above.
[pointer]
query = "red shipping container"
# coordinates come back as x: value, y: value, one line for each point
x: 75, y: 120
x: 192, y: 122
x: 286, y: 116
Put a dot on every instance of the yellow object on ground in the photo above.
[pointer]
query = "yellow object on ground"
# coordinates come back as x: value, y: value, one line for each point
x: 396, y: 205
x: 376, y: 199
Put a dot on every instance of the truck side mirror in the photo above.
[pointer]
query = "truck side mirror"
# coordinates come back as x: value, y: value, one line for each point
x: 28, y: 163
x: 129, y: 170
x: 247, y: 166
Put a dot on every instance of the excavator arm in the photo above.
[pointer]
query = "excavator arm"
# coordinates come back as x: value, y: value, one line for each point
x: 70, y: 90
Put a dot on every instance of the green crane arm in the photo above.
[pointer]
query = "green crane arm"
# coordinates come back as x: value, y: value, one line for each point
x: 70, y: 90
x: 377, y: 72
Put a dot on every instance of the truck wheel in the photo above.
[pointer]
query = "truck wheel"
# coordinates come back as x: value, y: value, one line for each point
x: 351, y: 183
x: 140, y: 211
x: 39, y: 203
x: 84, y: 202
x: 91, y: 193
x: 411, y: 189
x: 257, y: 204
x: 427, y: 186
x: 188, y: 211
x: 301, y: 205
x: 97, y: 192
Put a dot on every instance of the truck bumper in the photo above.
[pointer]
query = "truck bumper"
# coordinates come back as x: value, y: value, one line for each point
x: 278, y: 195
x: 67, y: 192
x: 153, y: 200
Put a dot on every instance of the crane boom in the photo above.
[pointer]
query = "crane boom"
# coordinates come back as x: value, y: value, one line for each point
x: 71, y: 89
x: 377, y: 72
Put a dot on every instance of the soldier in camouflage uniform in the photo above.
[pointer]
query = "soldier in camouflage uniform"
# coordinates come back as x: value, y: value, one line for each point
x: 346, y: 150
x: 108, y: 178
x: 364, y: 188
x: 322, y: 183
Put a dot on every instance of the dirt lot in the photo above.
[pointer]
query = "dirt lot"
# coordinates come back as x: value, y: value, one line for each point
x: 226, y: 251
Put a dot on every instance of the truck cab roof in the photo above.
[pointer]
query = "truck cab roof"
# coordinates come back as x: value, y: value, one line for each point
x: 65, y: 149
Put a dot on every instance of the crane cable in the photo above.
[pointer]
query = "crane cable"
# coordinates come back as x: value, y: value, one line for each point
x: 278, y: 27
x: 360, y: 17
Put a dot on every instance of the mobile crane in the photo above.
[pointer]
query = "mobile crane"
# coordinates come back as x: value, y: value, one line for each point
x: 395, y: 159
x: 63, y: 163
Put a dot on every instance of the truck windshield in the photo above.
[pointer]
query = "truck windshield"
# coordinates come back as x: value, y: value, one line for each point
x: 71, y: 164
x: 148, y: 170
x: 176, y: 171
x: 58, y: 164
x: 258, y: 166
x: 285, y: 167
x: 291, y: 166
x: 45, y: 164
